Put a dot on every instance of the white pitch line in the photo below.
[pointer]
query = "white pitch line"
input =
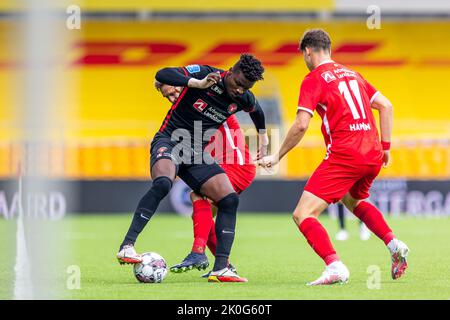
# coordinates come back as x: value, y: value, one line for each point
x: 22, y: 285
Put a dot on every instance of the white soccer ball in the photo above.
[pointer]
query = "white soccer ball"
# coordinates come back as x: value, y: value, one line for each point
x: 152, y: 269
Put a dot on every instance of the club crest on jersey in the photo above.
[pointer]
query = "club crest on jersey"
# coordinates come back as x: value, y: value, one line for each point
x: 193, y: 68
x: 216, y: 89
x: 232, y: 108
x: 200, y: 105
x: 328, y: 76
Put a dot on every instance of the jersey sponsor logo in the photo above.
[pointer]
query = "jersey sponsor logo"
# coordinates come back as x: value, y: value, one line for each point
x: 215, y: 115
x: 216, y: 89
x: 328, y: 76
x: 343, y: 72
x: 193, y: 68
x: 232, y: 108
x: 200, y: 105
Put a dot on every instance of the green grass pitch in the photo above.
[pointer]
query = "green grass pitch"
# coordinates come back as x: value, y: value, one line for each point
x: 268, y: 250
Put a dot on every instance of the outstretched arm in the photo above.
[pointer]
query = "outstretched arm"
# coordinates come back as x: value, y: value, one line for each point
x: 259, y: 120
x: 177, y: 77
x: 293, y: 137
x: 384, y: 107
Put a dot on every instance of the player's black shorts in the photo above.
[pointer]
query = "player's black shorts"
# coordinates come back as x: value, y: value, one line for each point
x: 194, y: 174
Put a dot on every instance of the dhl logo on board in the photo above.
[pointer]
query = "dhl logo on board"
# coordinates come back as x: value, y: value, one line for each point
x: 114, y: 63
x: 218, y: 43
x: 160, y: 53
x: 155, y: 53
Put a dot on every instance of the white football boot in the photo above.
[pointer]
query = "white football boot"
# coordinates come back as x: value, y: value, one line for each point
x: 364, y: 232
x: 128, y: 255
x: 335, y: 272
x: 399, y: 251
x: 342, y: 235
x: 225, y: 275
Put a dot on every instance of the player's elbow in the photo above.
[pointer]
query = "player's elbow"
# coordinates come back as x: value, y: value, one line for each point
x: 301, y: 127
x: 389, y: 106
x: 386, y: 104
x: 160, y: 74
x: 382, y: 104
x: 165, y: 74
x: 386, y: 108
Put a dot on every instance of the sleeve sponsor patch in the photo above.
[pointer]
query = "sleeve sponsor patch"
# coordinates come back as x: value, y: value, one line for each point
x: 193, y: 68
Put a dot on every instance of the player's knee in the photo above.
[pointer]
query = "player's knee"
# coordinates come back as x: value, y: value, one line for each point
x: 350, y: 207
x: 299, y: 215
x: 354, y: 204
x: 229, y: 203
x: 161, y: 186
x: 350, y: 203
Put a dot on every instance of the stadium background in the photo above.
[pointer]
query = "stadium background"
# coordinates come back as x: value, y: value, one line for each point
x: 112, y: 109
x: 92, y: 148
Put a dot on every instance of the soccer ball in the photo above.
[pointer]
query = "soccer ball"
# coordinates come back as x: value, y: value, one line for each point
x: 152, y: 269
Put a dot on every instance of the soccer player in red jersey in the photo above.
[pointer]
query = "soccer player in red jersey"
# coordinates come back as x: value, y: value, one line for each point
x: 354, y: 153
x: 229, y: 149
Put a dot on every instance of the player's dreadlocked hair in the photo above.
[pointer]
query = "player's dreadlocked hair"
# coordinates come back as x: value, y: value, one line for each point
x: 250, y: 67
x: 316, y: 39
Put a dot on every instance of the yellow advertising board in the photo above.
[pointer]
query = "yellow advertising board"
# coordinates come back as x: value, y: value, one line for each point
x: 186, y: 6
x: 113, y: 65
x: 116, y: 64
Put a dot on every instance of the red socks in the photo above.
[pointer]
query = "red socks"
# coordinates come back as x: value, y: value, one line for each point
x: 374, y: 220
x: 318, y: 239
x: 202, y: 219
x: 212, y: 239
x: 204, y: 227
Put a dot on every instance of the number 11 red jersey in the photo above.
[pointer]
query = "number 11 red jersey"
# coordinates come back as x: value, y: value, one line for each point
x: 342, y: 98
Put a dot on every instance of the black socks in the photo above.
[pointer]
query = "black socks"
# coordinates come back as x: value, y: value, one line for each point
x: 225, y: 227
x: 147, y: 207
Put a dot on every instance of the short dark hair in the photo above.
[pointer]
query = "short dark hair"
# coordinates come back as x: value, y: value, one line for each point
x: 317, y: 39
x: 158, y: 85
x: 250, y: 66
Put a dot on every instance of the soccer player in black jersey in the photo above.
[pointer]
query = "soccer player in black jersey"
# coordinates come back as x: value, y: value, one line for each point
x: 209, y: 96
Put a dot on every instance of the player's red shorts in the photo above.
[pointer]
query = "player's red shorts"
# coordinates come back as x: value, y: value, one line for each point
x: 241, y: 176
x: 331, y: 180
